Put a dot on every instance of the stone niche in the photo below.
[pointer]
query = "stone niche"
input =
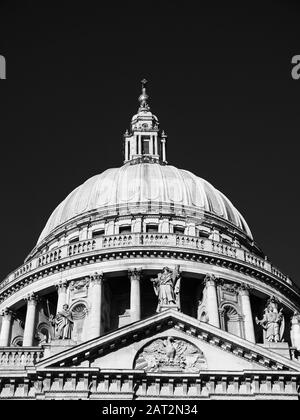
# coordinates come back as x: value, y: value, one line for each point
x: 79, y: 313
x: 170, y: 354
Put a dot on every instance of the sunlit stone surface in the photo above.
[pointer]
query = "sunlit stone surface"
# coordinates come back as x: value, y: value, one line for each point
x: 146, y: 283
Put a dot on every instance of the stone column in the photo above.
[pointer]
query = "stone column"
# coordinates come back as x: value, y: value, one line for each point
x: 163, y: 144
x: 95, y: 295
x: 126, y: 150
x: 212, y: 300
x: 29, y: 328
x: 135, y: 294
x: 6, y: 327
x: 246, y: 308
x: 151, y: 148
x: 62, y: 295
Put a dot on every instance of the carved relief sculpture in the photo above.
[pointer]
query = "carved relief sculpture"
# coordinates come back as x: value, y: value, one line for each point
x: 79, y: 284
x: 167, y: 288
x: 272, y: 321
x: 170, y: 354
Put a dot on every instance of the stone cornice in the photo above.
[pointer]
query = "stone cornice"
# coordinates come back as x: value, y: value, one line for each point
x: 124, y: 253
x: 165, y: 320
x: 55, y: 383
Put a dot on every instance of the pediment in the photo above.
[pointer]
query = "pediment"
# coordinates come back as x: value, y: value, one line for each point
x: 146, y: 345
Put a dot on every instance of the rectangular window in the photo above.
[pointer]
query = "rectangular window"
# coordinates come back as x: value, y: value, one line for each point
x: 76, y: 239
x: 124, y: 229
x: 97, y: 233
x: 145, y: 145
x: 152, y: 228
x: 179, y: 230
x: 203, y: 234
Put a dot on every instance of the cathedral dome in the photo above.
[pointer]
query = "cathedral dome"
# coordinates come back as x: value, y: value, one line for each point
x: 145, y: 183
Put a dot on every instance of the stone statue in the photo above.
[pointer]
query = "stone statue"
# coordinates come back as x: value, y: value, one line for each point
x: 295, y: 330
x: 167, y: 287
x: 272, y: 321
x: 63, y: 324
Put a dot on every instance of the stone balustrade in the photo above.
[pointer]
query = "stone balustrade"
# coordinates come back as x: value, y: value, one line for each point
x: 49, y: 257
x: 79, y: 247
x: 132, y: 240
x: 14, y: 357
x: 23, y: 269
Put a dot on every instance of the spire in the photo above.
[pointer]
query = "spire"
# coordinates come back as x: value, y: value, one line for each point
x: 144, y: 142
x: 144, y: 97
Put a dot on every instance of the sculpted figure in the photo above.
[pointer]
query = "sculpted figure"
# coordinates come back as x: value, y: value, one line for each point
x: 167, y: 287
x: 170, y: 348
x: 63, y: 324
x: 272, y: 322
x: 295, y: 331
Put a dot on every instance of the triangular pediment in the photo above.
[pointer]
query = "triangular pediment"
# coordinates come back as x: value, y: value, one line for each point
x: 120, y: 349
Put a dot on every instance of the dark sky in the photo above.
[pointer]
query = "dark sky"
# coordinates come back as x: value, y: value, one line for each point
x: 220, y: 82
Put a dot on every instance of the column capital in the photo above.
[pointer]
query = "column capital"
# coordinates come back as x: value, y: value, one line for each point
x: 31, y: 298
x: 61, y: 286
x: 210, y: 279
x: 97, y: 278
x: 6, y: 313
x: 244, y: 289
x: 135, y: 274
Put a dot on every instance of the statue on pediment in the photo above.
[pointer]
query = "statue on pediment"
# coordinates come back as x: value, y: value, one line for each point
x: 272, y: 321
x: 167, y: 288
x: 63, y: 324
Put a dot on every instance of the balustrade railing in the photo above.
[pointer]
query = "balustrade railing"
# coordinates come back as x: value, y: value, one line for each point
x: 49, y: 257
x: 23, y: 269
x: 18, y: 357
x: 118, y: 241
x: 252, y: 259
x: 79, y: 247
x: 144, y: 239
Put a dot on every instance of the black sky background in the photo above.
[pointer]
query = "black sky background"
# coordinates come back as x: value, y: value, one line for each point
x: 220, y: 83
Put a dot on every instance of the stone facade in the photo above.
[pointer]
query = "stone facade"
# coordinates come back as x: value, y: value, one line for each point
x: 140, y: 298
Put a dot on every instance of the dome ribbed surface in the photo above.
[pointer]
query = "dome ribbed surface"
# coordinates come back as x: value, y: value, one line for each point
x: 144, y: 182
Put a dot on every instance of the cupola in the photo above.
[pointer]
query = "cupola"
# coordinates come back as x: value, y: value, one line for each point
x: 144, y: 142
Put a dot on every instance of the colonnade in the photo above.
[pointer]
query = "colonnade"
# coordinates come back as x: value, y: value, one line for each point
x: 213, y: 307
x: 95, y: 297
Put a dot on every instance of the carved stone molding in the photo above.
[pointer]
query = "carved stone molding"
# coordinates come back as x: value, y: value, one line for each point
x: 229, y: 286
x: 77, y: 285
x: 8, y: 288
